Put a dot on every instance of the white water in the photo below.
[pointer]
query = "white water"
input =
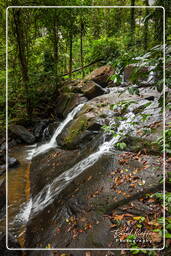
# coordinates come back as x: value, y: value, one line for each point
x: 47, y: 195
x: 23, y: 216
x: 52, y: 143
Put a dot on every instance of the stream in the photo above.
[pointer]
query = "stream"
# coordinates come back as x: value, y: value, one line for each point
x: 23, y: 206
x: 20, y: 202
x: 18, y: 191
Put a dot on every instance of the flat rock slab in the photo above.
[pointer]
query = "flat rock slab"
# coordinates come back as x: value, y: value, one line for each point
x: 77, y: 217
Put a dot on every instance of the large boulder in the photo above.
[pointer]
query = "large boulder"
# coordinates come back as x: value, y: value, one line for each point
x: 91, y: 89
x: 101, y: 75
x: 89, y: 120
x: 67, y: 101
x: 19, y: 131
x: 80, y: 130
x: 83, y: 220
x: 79, y: 197
x: 103, y: 110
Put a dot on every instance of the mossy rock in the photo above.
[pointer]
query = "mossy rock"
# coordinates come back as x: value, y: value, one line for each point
x: 67, y: 101
x: 79, y: 130
x: 62, y: 102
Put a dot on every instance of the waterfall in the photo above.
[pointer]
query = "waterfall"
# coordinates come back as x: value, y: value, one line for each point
x: 52, y: 143
x: 47, y: 195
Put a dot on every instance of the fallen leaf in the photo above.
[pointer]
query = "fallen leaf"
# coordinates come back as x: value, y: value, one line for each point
x: 156, y: 237
x: 89, y: 178
x: 118, y: 217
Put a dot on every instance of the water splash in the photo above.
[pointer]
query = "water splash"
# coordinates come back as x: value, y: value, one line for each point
x: 52, y: 143
x: 24, y: 214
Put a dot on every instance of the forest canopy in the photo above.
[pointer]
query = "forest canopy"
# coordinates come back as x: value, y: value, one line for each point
x: 46, y: 45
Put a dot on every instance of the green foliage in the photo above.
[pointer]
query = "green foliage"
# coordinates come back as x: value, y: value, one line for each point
x: 121, y: 145
x: 46, y: 40
x: 145, y: 117
x: 133, y: 90
x: 122, y: 105
x: 167, y: 140
x: 103, y: 48
x: 160, y: 197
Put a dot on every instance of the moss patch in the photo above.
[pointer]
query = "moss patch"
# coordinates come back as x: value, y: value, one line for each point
x: 77, y: 128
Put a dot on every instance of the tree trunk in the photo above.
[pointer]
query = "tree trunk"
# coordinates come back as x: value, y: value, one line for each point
x: 146, y: 26
x: 70, y: 53
x: 55, y: 43
x: 158, y: 20
x: 21, y: 42
x: 81, y: 48
x: 78, y: 69
x: 132, y: 21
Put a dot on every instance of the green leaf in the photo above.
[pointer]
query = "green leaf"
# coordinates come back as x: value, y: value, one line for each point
x: 168, y: 235
x: 168, y: 226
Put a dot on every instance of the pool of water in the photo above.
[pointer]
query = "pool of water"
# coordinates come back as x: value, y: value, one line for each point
x: 18, y: 192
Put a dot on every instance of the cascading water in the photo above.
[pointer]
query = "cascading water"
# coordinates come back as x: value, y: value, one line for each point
x: 47, y: 195
x: 52, y: 143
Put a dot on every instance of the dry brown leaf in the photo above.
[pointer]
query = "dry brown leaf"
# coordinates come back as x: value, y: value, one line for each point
x: 122, y: 237
x: 89, y: 178
x: 118, y: 217
x: 156, y: 237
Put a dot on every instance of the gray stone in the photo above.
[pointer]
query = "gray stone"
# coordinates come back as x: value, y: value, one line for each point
x: 21, y: 133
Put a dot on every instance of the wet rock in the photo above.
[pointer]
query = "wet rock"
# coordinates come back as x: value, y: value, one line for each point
x: 89, y: 120
x: 87, y: 199
x: 101, y: 75
x: 91, y: 89
x: 12, y: 243
x: 67, y: 101
x: 21, y: 133
x: 75, y: 100
x: 52, y: 127
x: 76, y: 216
x: 39, y: 128
x: 50, y: 165
x: 12, y: 162
x: 49, y: 131
x: 79, y: 131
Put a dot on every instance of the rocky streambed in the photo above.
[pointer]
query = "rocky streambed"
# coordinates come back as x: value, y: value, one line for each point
x: 93, y: 177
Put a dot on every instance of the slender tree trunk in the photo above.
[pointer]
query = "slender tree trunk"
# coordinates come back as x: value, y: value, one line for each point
x: 70, y: 53
x: 56, y: 48
x: 146, y: 26
x: 81, y: 48
x: 22, y: 49
x: 65, y: 60
x: 158, y: 20
x: 132, y: 21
